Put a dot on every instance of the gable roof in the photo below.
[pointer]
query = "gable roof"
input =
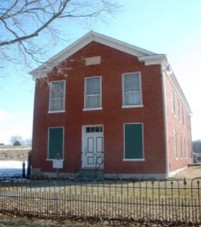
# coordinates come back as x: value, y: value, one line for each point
x: 143, y: 55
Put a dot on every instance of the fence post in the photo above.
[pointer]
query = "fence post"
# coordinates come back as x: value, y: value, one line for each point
x: 23, y: 170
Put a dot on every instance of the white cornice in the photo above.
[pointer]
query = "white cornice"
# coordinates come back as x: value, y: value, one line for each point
x: 156, y: 59
x: 167, y: 69
x: 141, y: 53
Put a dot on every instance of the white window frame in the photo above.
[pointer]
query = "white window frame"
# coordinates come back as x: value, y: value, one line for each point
x: 140, y: 90
x: 64, y: 97
x: 85, y: 95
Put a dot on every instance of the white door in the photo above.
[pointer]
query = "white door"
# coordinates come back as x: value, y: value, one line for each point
x: 92, y: 149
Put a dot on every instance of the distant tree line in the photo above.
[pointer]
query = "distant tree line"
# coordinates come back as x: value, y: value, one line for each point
x: 19, y: 141
x: 197, y: 146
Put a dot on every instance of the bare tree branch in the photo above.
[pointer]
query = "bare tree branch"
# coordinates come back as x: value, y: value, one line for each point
x: 37, y: 31
x: 22, y: 22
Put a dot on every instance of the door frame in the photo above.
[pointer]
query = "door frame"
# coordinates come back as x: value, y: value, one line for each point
x: 83, y: 145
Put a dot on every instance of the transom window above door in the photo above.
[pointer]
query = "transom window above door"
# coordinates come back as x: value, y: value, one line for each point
x: 93, y: 93
x: 57, y: 96
x: 132, y: 91
x: 94, y: 129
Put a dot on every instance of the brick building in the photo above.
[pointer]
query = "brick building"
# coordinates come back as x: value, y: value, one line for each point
x: 105, y: 106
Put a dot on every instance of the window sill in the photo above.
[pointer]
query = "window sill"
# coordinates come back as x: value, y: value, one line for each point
x: 92, y: 109
x: 132, y: 106
x: 133, y: 160
x: 53, y: 159
x: 59, y: 111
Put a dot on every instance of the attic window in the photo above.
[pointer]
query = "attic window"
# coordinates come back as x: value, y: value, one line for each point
x: 93, y: 60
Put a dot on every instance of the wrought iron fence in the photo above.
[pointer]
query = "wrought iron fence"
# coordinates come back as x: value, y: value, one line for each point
x: 134, y: 199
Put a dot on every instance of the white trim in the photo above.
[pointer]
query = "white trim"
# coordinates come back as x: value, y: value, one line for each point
x: 144, y: 55
x: 92, y: 109
x: 48, y: 141
x: 83, y: 127
x: 95, y: 108
x: 133, y: 160
x: 124, y: 139
x: 172, y: 173
x: 140, y: 88
x: 132, y: 106
x: 166, y: 131
x: 55, y: 112
x: 170, y: 74
x: 156, y: 59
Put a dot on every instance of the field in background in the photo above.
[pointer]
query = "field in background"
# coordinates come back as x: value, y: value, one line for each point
x: 15, y: 153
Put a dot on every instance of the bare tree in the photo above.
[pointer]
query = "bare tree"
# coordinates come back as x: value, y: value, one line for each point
x: 23, y: 22
x: 16, y: 140
x: 197, y: 146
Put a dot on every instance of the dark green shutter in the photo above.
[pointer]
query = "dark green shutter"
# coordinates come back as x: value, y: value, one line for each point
x: 133, y: 141
x: 55, y: 143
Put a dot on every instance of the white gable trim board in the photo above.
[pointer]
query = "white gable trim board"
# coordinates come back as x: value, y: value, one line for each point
x: 144, y: 56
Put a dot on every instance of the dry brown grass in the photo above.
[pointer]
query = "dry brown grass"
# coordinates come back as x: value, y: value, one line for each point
x: 17, y: 153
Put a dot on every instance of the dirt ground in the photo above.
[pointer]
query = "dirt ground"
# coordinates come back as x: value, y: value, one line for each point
x: 190, y: 172
x: 12, y: 220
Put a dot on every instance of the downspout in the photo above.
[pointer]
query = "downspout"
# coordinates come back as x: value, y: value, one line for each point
x: 163, y: 71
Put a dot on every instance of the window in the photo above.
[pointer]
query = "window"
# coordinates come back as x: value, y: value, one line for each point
x: 178, y: 113
x: 133, y: 141
x: 173, y: 103
x: 94, y: 129
x: 175, y: 145
x: 181, y: 147
x: 57, y: 96
x: 55, y: 143
x: 132, y: 89
x: 185, y: 148
x: 182, y: 112
x: 93, y: 98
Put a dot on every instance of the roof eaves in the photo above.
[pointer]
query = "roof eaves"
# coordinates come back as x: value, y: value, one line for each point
x: 155, y: 59
x: 170, y: 73
x: 62, y: 55
x: 47, y: 66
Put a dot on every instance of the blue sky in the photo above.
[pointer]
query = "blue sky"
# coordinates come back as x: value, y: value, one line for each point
x: 170, y: 27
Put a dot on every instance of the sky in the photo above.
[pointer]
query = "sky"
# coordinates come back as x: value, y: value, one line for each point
x: 170, y: 27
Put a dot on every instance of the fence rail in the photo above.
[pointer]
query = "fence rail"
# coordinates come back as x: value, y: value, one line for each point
x: 150, y: 199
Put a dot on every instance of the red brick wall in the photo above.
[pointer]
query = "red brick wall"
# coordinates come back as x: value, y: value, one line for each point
x: 181, y: 125
x: 113, y: 116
